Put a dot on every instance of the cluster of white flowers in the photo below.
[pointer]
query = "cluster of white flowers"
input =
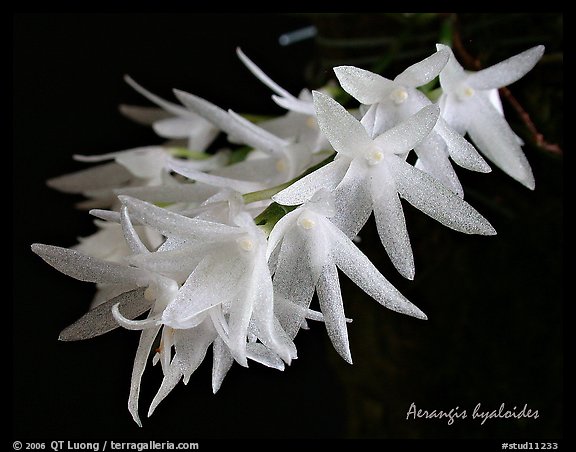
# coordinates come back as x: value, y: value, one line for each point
x: 227, y: 247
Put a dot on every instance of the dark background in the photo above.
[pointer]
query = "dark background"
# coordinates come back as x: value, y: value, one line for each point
x: 494, y: 333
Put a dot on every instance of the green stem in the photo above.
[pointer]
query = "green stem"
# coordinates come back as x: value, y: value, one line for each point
x: 269, y: 192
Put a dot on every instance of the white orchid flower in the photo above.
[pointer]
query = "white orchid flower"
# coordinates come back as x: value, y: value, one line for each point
x: 310, y: 250
x: 368, y: 175
x: 470, y: 103
x: 394, y: 101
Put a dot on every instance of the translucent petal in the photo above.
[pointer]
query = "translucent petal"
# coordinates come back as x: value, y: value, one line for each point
x: 211, y: 179
x: 279, y: 231
x: 191, y: 346
x: 263, y: 355
x: 100, y: 320
x: 352, y: 199
x: 229, y: 124
x: 454, y: 113
x: 294, y: 104
x: 265, y: 141
x: 391, y: 224
x: 177, y: 263
x: 507, y: 71
x: 261, y: 170
x: 294, y: 280
x: 130, y: 234
x: 188, y: 192
x: 147, y: 338
x: 424, y: 71
x: 363, y: 273
x: 169, y: 382
x: 460, y: 149
x: 452, y: 74
x: 174, y: 127
x: 343, y: 130
x: 143, y: 115
x: 217, y: 279
x: 431, y: 197
x: 86, y: 268
x: 365, y: 86
x: 170, y: 223
x: 492, y: 135
x: 221, y: 364
x: 410, y: 132
x: 95, y: 178
x: 175, y: 109
x: 146, y: 163
x: 260, y: 75
x: 328, y: 177
x: 433, y: 159
x: 332, y: 307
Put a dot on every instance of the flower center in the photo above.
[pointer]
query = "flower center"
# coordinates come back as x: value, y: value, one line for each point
x: 246, y: 243
x: 306, y: 223
x: 465, y: 93
x: 399, y: 95
x: 311, y: 122
x: 374, y: 156
x: 281, y: 165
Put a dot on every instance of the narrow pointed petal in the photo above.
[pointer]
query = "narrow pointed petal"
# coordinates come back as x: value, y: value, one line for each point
x: 328, y: 177
x: 175, y: 109
x: 493, y: 136
x: 229, y: 124
x: 507, y: 71
x: 191, y: 346
x: 189, y: 193
x: 263, y: 140
x: 431, y: 197
x: 87, y: 268
x: 169, y: 382
x: 169, y: 223
x: 263, y: 355
x: 95, y: 178
x: 147, y: 338
x: 241, y: 186
x: 174, y: 127
x: 365, y: 86
x: 332, y: 308
x: 221, y: 363
x: 460, y: 149
x: 391, y: 224
x: 260, y: 75
x: 145, y: 116
x: 406, y: 135
x: 433, y: 159
x: 352, y: 199
x: 343, y: 130
x: 294, y: 104
x: 130, y: 235
x: 100, y: 320
x: 294, y: 280
x: 424, y: 71
x: 362, y: 272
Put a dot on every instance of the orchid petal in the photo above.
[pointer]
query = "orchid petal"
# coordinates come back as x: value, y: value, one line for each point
x: 424, y: 71
x: 434, y: 199
x: 506, y: 72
